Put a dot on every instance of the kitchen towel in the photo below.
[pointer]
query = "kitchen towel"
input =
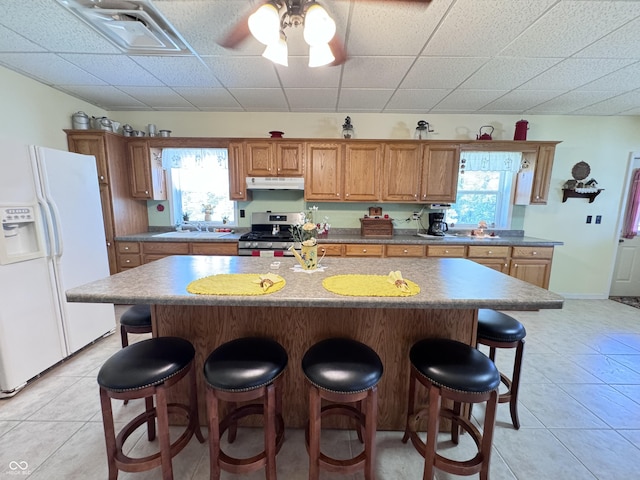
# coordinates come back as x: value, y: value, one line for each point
x: 237, y: 284
x: 367, y: 286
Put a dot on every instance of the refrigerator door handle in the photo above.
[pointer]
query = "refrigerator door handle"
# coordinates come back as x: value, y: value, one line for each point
x: 49, y: 208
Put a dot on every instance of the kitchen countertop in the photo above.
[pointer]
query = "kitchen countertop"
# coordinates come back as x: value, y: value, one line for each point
x: 400, y: 238
x: 451, y: 283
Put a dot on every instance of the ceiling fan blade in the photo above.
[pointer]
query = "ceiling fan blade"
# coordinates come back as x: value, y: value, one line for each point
x: 338, y: 50
x: 238, y: 33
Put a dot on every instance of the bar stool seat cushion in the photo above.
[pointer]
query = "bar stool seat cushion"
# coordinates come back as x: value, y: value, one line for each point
x: 454, y: 365
x: 245, y: 364
x: 342, y: 365
x: 146, y: 363
x: 499, y: 327
x: 137, y: 316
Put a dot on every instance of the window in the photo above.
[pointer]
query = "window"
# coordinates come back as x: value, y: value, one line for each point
x: 485, y: 187
x: 199, y: 185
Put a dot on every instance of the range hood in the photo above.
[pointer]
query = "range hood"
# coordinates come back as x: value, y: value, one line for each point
x: 275, y: 183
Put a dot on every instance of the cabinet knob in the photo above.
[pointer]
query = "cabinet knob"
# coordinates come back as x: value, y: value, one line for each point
x: 146, y: 192
x: 490, y: 252
x: 534, y: 253
x: 101, y: 177
x: 126, y: 248
x: 515, y: 265
x: 446, y: 251
x: 405, y: 251
x: 338, y: 194
x: 127, y: 261
x: 364, y: 250
x: 347, y: 195
x: 108, y: 244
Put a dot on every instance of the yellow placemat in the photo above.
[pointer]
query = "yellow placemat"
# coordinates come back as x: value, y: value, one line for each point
x: 235, y: 284
x: 367, y: 286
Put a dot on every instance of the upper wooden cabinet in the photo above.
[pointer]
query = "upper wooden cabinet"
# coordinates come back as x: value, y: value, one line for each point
x: 362, y: 168
x: 439, y: 179
x: 274, y: 159
x: 237, y: 172
x: 532, y: 184
x: 147, y: 175
x: 323, y: 172
x: 400, y: 181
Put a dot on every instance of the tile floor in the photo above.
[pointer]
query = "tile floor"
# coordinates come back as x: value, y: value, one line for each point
x: 579, y: 411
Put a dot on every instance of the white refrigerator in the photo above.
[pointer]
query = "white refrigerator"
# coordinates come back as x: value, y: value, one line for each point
x: 52, y: 239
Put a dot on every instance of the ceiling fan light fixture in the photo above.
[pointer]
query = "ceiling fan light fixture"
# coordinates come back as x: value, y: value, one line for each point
x: 278, y: 52
x: 319, y: 27
x: 264, y: 24
x: 320, y: 55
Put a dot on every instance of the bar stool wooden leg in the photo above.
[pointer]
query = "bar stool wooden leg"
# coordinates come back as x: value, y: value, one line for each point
x: 163, y: 434
x: 315, y: 416
x: 370, y: 433
x: 213, y: 413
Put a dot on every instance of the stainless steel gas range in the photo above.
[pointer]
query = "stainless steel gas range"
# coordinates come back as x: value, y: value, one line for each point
x: 270, y: 235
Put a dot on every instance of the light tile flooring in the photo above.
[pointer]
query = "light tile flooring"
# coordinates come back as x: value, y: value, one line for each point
x: 579, y: 410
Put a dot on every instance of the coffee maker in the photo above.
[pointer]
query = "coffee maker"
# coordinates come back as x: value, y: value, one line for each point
x: 437, y: 225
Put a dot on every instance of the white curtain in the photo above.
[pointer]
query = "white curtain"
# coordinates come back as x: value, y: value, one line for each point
x: 491, y: 161
x: 179, y: 157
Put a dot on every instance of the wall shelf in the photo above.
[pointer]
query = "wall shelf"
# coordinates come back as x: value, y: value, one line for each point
x: 567, y: 193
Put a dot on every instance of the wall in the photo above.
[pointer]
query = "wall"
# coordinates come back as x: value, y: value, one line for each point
x: 582, y: 267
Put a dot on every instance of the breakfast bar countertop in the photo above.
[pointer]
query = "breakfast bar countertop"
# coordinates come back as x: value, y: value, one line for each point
x: 445, y: 283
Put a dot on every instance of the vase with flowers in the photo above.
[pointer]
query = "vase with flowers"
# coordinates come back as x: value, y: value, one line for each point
x: 306, y: 234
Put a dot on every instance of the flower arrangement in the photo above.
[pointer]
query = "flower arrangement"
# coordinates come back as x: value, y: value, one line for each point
x: 307, y: 232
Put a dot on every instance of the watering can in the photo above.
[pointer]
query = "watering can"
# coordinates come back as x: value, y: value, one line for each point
x: 486, y: 135
x: 308, y: 256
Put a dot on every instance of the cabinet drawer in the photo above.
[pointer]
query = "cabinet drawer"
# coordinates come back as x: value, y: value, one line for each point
x: 404, y: 250
x: 487, y: 251
x: 532, y: 252
x: 214, y: 248
x: 363, y: 250
x: 330, y: 250
x: 128, y: 247
x: 455, y: 251
x: 129, y: 260
x: 171, y: 248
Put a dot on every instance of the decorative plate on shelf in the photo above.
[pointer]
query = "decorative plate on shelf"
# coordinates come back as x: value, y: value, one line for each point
x: 580, y: 170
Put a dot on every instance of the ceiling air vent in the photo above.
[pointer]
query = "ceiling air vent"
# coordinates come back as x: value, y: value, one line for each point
x: 134, y: 26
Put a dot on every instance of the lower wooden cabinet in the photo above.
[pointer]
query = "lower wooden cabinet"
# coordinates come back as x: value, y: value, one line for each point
x: 363, y: 250
x: 134, y: 254
x: 330, y: 250
x: 532, y: 265
x: 230, y: 248
x: 491, y: 256
x: 452, y: 251
x: 404, y: 250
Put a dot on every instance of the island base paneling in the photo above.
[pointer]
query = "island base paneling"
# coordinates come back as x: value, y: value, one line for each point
x: 390, y: 332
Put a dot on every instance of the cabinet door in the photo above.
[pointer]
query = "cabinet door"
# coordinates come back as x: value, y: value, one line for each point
x: 147, y: 174
x: 440, y: 173
x: 237, y: 172
x: 536, y: 271
x: 330, y: 250
x: 89, y: 144
x: 453, y: 251
x: 542, y: 175
x: 404, y: 250
x: 362, y: 167
x: 323, y: 172
x: 260, y: 159
x: 227, y: 248
x: 499, y: 264
x: 109, y: 230
x: 363, y: 250
x: 289, y: 159
x: 400, y: 181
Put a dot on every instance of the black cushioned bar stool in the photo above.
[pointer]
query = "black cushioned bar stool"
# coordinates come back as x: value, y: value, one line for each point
x: 145, y: 370
x: 342, y: 371
x: 499, y: 330
x: 241, y: 371
x: 458, y: 372
x: 136, y: 319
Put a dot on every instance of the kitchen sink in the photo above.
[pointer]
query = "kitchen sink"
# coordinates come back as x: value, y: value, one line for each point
x: 192, y: 234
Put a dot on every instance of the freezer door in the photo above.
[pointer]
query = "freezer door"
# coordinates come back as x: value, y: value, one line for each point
x: 70, y: 186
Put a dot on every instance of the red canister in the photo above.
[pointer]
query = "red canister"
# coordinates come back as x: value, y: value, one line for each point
x: 521, y: 130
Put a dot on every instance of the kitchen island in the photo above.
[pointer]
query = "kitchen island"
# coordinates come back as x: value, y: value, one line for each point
x: 303, y: 312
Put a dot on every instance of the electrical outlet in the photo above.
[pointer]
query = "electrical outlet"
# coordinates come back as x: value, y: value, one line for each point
x: 415, y: 216
x: 589, y: 217
x: 242, y: 213
x: 598, y: 219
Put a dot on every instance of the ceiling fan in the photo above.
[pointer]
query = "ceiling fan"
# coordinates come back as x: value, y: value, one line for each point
x: 283, y: 14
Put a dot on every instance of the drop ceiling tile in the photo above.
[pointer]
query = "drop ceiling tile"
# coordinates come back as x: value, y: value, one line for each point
x: 49, y: 69
x: 416, y: 99
x: 157, y: 97
x: 483, y: 28
x: 10, y: 41
x: 393, y: 28
x: 521, y: 100
x: 375, y: 72
x: 209, y: 98
x: 303, y: 99
x: 261, y: 99
x: 570, y: 26
x: 621, y: 43
x: 113, y: 69
x: 299, y: 75
x: 623, y: 80
x: 182, y: 71
x: 243, y: 72
x: 441, y: 72
x: 508, y: 72
x: 565, y: 104
x: 469, y: 100
x: 370, y: 100
x: 613, y: 106
x: 51, y: 26
x: 573, y: 73
x: 106, y: 97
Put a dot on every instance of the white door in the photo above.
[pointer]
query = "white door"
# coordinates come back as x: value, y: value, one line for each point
x: 626, y: 273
